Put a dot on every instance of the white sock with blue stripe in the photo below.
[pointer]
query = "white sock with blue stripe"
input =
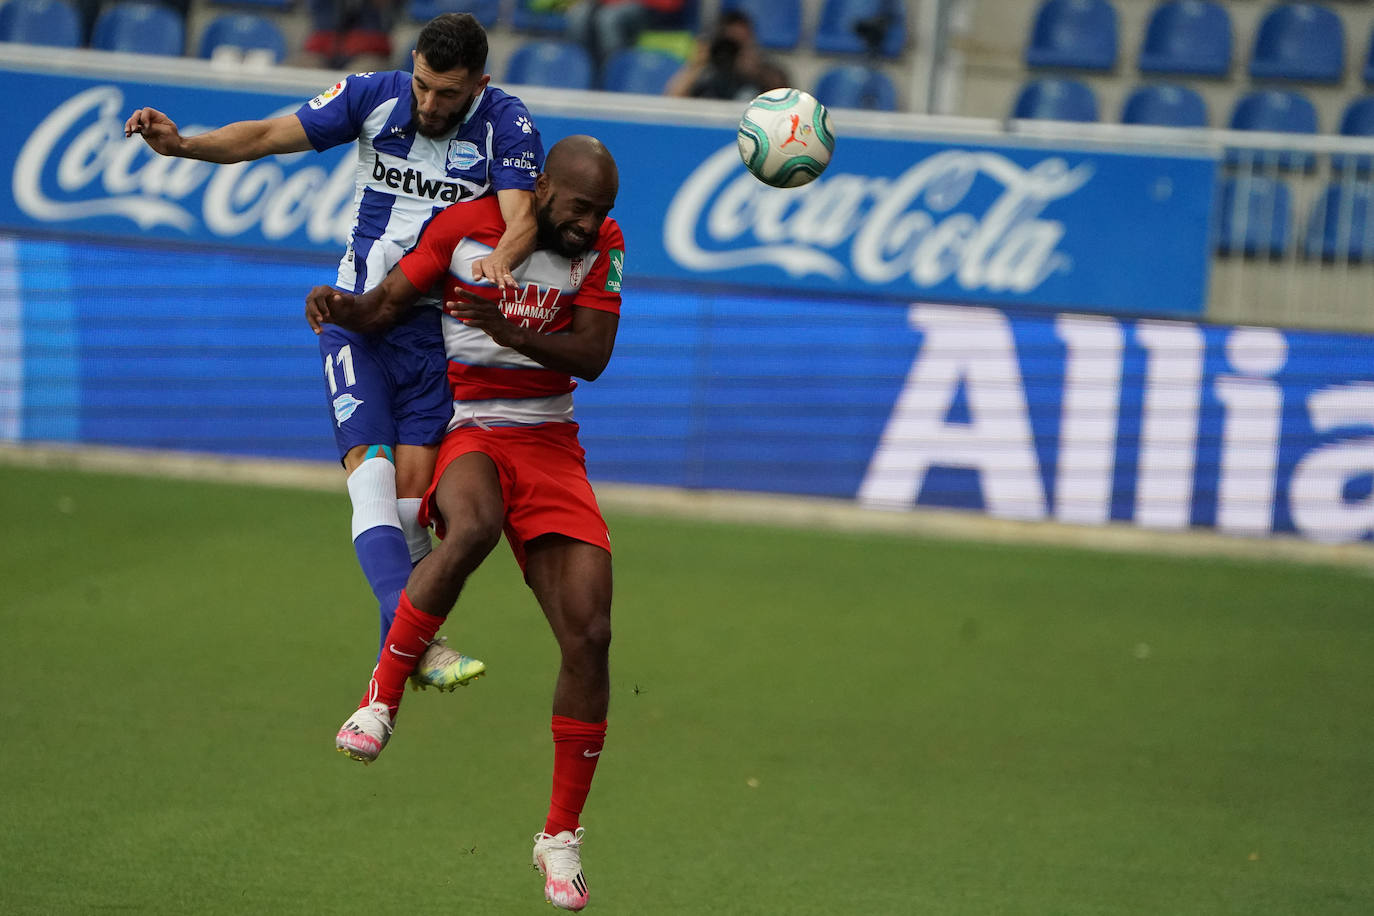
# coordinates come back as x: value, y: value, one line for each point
x: 378, y: 538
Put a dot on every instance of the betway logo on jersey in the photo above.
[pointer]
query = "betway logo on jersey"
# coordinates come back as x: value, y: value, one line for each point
x: 76, y: 165
x: 919, y: 224
x: 412, y: 181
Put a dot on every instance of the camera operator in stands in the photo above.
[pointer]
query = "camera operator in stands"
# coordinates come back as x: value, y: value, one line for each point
x: 728, y: 65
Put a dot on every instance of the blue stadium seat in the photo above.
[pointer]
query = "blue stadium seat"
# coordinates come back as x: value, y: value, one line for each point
x: 639, y: 70
x: 485, y: 11
x: 1166, y: 106
x: 246, y: 32
x: 855, y: 86
x: 1369, y: 61
x: 532, y: 16
x: 1187, y: 36
x: 1357, y: 121
x: 843, y: 21
x: 1254, y: 217
x: 1299, y: 41
x: 1275, y: 111
x: 1056, y: 100
x: 777, y: 23
x: 140, y: 28
x: 266, y: 4
x: 40, y: 22
x: 550, y: 63
x: 1074, y: 33
x: 1340, y: 227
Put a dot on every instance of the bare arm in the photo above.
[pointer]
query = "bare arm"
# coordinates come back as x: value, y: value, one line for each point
x: 372, y: 312
x: 517, y: 242
x: 237, y: 142
x: 583, y: 351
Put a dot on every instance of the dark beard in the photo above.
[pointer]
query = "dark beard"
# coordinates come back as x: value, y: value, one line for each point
x: 451, y: 123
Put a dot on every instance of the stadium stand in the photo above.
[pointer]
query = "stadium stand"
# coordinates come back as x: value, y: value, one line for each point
x: 778, y: 23
x: 550, y: 63
x: 532, y: 16
x: 856, y: 86
x: 1357, y: 121
x: 639, y: 70
x: 1299, y: 41
x: 1254, y: 215
x: 1165, y: 105
x: 1275, y: 111
x: 140, y: 28
x: 1339, y: 228
x: 876, y: 27
x: 243, y: 35
x: 1187, y: 37
x: 1074, y: 33
x: 264, y: 4
x: 40, y: 22
x: 1053, y: 99
x: 487, y: 12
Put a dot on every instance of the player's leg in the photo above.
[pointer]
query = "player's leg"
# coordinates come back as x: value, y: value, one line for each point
x: 423, y: 407
x: 572, y: 580
x: 469, y: 492
x: 359, y: 391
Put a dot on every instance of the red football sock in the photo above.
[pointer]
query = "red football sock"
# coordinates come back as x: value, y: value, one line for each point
x: 410, y: 634
x: 576, y: 749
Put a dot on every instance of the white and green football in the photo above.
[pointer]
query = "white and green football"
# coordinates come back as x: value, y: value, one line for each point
x: 784, y: 138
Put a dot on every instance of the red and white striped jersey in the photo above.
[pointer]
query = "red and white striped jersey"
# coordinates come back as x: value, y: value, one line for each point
x: 495, y: 385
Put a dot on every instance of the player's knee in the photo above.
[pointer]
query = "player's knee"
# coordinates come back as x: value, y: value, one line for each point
x: 470, y: 539
x: 588, y: 640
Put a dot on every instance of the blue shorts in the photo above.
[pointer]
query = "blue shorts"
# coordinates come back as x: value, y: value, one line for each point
x: 388, y: 389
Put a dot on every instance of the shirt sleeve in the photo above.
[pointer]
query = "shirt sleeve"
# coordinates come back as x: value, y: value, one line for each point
x: 428, y: 261
x: 518, y: 151
x: 601, y: 289
x: 337, y: 114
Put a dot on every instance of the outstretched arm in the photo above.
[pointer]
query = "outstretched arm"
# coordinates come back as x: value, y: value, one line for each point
x: 583, y: 351
x: 517, y: 242
x: 372, y: 312
x: 237, y: 142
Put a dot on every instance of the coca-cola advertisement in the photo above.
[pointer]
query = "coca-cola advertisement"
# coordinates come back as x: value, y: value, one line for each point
x: 956, y: 219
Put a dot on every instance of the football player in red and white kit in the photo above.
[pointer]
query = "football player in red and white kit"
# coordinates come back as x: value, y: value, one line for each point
x: 511, y: 459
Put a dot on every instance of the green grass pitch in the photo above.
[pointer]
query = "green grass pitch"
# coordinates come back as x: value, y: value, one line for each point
x: 802, y: 722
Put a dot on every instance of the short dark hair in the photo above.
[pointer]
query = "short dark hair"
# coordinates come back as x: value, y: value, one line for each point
x: 451, y: 41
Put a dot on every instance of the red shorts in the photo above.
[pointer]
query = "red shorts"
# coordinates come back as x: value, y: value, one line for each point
x: 544, y: 486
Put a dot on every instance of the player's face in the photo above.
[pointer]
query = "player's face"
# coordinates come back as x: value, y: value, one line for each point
x: 438, y: 101
x: 570, y: 213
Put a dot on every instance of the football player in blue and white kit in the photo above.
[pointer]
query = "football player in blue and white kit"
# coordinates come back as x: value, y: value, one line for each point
x: 425, y: 140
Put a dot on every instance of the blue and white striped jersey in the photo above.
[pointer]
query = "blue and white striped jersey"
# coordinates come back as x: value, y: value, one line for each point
x: 404, y: 178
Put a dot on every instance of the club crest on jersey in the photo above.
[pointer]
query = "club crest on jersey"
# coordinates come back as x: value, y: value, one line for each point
x: 332, y: 92
x: 462, y: 155
x: 344, y: 407
x: 575, y: 273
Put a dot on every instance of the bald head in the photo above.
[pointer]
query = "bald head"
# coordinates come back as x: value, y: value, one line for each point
x: 582, y: 158
x: 575, y: 192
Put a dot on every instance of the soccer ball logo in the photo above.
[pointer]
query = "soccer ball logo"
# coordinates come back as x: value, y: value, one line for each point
x: 784, y: 138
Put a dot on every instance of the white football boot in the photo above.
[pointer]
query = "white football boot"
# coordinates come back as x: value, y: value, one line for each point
x: 559, y: 860
x: 365, y: 733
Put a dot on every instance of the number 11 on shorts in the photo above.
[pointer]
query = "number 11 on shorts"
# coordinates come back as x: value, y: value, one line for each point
x: 343, y: 360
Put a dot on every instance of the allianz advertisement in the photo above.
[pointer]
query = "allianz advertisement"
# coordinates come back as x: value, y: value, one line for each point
x: 953, y: 221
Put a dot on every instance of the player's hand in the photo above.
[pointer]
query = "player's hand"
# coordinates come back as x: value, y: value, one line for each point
x: 496, y: 269
x: 484, y: 314
x: 158, y: 131
x: 320, y: 304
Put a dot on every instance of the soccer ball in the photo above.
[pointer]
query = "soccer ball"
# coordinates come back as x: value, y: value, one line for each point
x: 784, y: 138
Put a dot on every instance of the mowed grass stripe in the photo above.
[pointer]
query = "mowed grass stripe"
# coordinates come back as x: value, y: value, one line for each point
x: 803, y: 721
